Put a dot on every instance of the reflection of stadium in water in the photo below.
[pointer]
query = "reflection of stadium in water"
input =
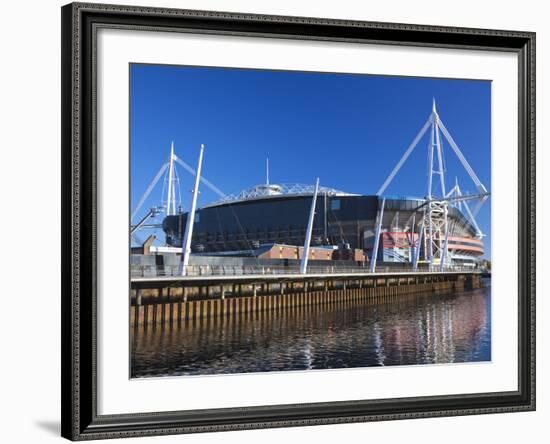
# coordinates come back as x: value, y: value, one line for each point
x: 452, y: 329
x: 416, y: 329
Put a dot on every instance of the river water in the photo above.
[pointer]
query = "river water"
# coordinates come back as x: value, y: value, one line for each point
x: 414, y: 329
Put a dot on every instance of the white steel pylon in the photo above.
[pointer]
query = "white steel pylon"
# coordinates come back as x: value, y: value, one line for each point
x: 186, y: 245
x: 378, y: 232
x: 172, y: 182
x: 435, y: 122
x: 435, y: 219
x: 435, y: 223
x: 307, y: 242
x: 171, y: 186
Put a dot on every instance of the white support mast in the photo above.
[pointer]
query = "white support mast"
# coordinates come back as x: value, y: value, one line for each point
x: 445, y: 248
x: 441, y: 171
x: 374, y: 255
x: 307, y: 243
x: 267, y: 171
x: 437, y: 206
x: 186, y: 247
x: 171, y: 189
x: 430, y: 162
x: 418, y: 246
x: 436, y: 125
x: 170, y: 200
x: 435, y: 223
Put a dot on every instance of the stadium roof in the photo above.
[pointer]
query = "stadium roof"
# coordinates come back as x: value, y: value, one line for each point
x: 264, y: 191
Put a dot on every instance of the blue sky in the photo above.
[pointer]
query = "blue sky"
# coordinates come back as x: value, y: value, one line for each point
x: 349, y: 130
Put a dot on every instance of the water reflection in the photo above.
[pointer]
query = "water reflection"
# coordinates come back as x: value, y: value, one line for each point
x: 416, y: 329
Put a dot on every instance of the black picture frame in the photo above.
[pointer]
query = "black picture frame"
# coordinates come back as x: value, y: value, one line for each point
x: 79, y: 209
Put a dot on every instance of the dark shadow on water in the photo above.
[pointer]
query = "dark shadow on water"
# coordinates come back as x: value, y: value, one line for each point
x: 53, y: 427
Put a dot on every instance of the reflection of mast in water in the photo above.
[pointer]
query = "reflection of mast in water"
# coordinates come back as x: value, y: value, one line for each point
x: 409, y: 330
x: 438, y: 331
x: 307, y: 355
x: 449, y: 338
x: 398, y: 339
x: 422, y: 339
x: 429, y: 340
x: 378, y: 344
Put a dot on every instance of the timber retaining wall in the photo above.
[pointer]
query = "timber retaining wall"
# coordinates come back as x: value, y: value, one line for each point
x: 168, y: 306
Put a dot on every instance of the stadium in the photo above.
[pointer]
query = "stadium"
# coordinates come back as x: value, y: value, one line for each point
x: 269, y: 215
x: 282, y: 221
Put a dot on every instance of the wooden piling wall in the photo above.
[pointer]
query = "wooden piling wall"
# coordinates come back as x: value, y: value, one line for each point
x: 161, y: 306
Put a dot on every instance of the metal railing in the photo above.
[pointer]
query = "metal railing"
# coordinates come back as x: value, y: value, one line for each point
x: 258, y: 270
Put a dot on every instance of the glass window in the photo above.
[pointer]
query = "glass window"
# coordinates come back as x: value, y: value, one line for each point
x: 335, y: 204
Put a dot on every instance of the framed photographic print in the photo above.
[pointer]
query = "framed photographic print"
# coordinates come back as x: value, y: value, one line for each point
x: 279, y: 221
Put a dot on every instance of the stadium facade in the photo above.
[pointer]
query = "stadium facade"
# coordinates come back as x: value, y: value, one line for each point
x: 278, y: 214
